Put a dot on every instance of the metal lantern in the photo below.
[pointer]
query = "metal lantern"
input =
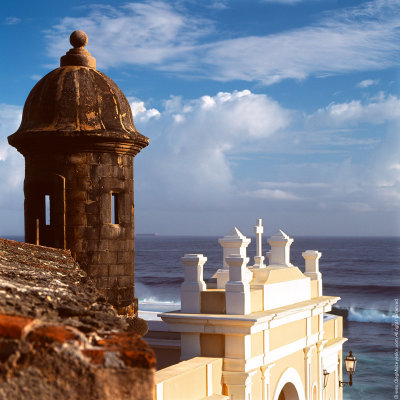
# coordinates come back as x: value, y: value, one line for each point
x: 351, y: 363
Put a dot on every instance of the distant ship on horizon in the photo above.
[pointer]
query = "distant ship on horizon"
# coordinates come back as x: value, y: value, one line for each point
x: 147, y: 234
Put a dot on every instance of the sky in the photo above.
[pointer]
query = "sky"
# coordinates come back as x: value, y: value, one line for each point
x: 285, y: 110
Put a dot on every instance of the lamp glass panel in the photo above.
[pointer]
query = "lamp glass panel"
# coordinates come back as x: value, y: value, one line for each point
x: 350, y: 362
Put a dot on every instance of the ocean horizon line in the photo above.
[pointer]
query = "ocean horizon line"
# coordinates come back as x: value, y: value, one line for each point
x: 183, y: 235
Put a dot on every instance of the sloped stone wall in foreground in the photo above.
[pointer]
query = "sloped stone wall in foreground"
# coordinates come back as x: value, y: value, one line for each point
x: 59, y: 339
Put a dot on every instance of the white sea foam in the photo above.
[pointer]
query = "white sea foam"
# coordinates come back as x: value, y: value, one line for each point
x: 154, y: 300
x: 365, y: 315
x: 149, y: 307
x: 153, y: 304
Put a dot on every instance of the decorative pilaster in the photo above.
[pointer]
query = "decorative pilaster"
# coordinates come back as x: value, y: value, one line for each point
x: 233, y: 244
x: 193, y: 283
x: 280, y: 249
x: 237, y: 288
x: 307, y: 370
x: 265, y: 376
x: 320, y: 347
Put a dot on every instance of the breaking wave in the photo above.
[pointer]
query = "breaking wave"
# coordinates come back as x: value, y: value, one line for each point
x: 154, y: 304
x: 365, y: 315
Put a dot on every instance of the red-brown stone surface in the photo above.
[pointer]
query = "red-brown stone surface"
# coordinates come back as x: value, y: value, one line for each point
x: 59, y: 339
x: 51, y: 333
x: 12, y: 326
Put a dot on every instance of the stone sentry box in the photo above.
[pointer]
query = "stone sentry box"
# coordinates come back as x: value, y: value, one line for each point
x: 79, y: 140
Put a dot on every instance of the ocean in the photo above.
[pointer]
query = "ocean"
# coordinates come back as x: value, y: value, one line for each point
x: 363, y: 271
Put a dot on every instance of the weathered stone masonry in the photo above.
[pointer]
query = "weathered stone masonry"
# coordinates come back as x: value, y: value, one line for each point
x: 104, y: 250
x: 79, y: 140
x: 59, y: 339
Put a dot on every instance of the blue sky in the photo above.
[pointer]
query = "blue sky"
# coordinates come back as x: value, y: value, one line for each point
x: 287, y: 110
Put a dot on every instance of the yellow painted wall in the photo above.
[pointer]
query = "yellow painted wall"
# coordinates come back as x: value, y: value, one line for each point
x: 329, y: 391
x: 339, y: 327
x: 314, y: 288
x: 286, y: 334
x: 213, y: 301
x: 256, y: 389
x: 257, y: 302
x: 184, y: 378
x: 314, y: 368
x: 295, y: 360
x: 212, y: 345
x: 187, y: 380
x: 314, y: 324
x: 283, y: 275
x: 217, y: 376
x: 257, y: 344
x: 333, y: 328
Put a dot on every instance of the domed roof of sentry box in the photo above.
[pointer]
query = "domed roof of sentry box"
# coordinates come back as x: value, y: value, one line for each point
x: 77, y: 101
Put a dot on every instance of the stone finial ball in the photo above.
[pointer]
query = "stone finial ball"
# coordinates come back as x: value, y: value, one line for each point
x: 78, y: 39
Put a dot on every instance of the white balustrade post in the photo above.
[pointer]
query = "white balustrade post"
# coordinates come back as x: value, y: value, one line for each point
x: 193, y: 283
x: 280, y: 249
x: 233, y: 244
x: 311, y: 258
x: 259, y: 258
x: 237, y: 289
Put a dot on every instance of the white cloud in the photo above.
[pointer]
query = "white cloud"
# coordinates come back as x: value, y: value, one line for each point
x: 295, y: 185
x: 273, y: 194
x: 373, y: 111
x: 151, y: 33
x: 205, y: 163
x: 140, y: 112
x: 36, y: 77
x: 238, y: 151
x: 12, y: 20
x: 353, y: 40
x: 10, y: 118
x: 11, y: 173
x: 289, y: 2
x: 367, y: 82
x: 171, y: 39
x: 192, y: 141
x: 359, y: 207
x: 218, y: 5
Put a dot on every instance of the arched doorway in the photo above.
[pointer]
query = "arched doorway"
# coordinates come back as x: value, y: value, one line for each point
x: 288, y: 392
x: 290, y: 386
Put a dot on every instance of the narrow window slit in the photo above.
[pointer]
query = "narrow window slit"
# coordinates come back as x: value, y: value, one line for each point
x: 114, y: 208
x: 47, y: 207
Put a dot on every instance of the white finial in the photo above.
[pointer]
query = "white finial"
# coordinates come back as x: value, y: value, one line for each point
x: 193, y: 284
x: 233, y: 244
x: 311, y: 258
x: 237, y: 289
x: 259, y: 259
x: 280, y: 249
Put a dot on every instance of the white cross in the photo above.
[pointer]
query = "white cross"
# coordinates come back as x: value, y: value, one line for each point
x: 258, y: 230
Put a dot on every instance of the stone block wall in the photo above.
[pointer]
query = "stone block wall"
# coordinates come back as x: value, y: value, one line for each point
x: 81, y: 188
